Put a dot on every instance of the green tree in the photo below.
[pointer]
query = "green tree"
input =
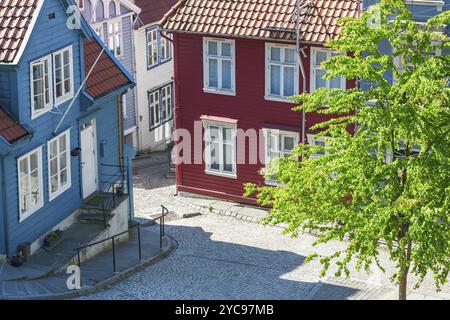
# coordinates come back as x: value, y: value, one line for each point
x: 353, y: 192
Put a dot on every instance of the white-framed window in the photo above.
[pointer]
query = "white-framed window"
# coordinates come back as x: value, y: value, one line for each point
x: 63, y: 75
x: 99, y: 30
x: 319, y: 55
x: 281, y: 72
x: 51, y: 81
x: 219, y: 66
x: 159, y: 48
x: 165, y: 49
x: 220, y: 149
x: 317, y: 141
x: 41, y: 87
x: 166, y: 102
x: 115, y: 37
x: 154, y: 102
x: 152, y: 47
x: 409, y: 66
x: 30, y: 181
x: 278, y: 144
x: 161, y: 105
x: 59, y: 174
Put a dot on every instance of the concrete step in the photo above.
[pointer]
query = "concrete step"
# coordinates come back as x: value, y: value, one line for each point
x: 94, y: 218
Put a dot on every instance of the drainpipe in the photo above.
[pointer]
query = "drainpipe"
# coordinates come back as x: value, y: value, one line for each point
x: 302, y: 69
x: 4, y: 208
x: 136, y: 91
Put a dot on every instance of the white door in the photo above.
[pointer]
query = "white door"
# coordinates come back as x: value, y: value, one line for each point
x: 88, y: 159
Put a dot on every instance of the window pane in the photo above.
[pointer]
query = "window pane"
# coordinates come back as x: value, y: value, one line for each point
x: 336, y: 82
x: 226, y: 74
x: 288, y: 143
x: 213, y: 76
x: 275, y: 54
x: 34, y: 161
x: 289, y: 55
x: 226, y: 49
x: 215, y: 160
x: 289, y: 81
x: 212, y: 48
x: 23, y: 167
x: 320, y: 81
x: 228, y: 158
x: 54, y: 184
x: 53, y: 149
x: 275, y: 79
x: 53, y: 166
x: 214, y: 133
x: 320, y: 57
x: 227, y: 134
x: 63, y: 177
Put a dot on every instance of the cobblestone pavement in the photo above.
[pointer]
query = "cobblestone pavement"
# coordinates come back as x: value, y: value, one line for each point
x: 221, y: 257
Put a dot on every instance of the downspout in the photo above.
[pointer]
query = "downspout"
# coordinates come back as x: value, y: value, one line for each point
x: 136, y: 92
x: 4, y: 208
x: 302, y: 69
x: 177, y: 113
x: 120, y: 127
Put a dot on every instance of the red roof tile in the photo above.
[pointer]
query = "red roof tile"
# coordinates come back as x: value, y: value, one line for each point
x: 15, y: 19
x: 258, y: 18
x: 10, y: 130
x: 106, y: 76
x: 154, y: 10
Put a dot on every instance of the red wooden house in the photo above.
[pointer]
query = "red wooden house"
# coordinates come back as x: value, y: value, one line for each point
x: 236, y: 64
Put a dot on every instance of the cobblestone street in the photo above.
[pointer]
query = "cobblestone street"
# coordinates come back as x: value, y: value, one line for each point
x: 222, y: 257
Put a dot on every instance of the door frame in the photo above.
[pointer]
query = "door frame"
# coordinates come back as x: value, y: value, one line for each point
x: 94, y: 138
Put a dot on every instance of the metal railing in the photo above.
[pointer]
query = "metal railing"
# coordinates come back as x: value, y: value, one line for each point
x: 116, y: 186
x: 113, y: 238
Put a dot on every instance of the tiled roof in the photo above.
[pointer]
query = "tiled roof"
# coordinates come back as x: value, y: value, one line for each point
x: 106, y: 76
x: 154, y: 10
x: 10, y: 130
x: 15, y: 19
x: 258, y: 18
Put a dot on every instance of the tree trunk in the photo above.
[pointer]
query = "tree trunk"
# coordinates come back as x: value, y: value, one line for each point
x: 403, y: 287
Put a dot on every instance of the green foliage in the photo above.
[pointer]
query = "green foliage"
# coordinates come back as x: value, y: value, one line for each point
x: 352, y: 193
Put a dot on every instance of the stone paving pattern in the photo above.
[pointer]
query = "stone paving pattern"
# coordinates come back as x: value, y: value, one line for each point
x: 224, y: 254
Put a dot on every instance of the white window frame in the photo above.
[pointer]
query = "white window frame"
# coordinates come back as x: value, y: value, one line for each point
x: 113, y: 44
x: 99, y: 30
x: 282, y: 64
x: 48, y: 106
x: 124, y: 106
x: 61, y: 189
x: 166, y: 102
x: 279, y: 148
x: 152, y: 44
x: 206, y: 57
x: 312, y: 140
x: 156, y: 108
x: 400, y: 67
x: 68, y: 95
x: 315, y: 67
x: 222, y: 143
x: 167, y: 46
x: 40, y: 203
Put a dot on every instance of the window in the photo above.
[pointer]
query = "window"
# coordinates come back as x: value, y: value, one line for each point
x: 100, y: 11
x: 51, y: 81
x: 219, y: 65
x: 152, y: 47
x: 317, y: 141
x: 159, y: 48
x: 99, y: 30
x: 281, y: 72
x: 115, y: 37
x: 320, y: 55
x: 161, y: 105
x: 112, y: 9
x: 41, y: 89
x: 58, y: 150
x: 30, y: 183
x: 62, y: 72
x: 278, y: 144
x: 220, y: 149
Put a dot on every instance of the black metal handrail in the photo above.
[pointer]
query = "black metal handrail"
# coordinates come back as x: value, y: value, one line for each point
x: 112, y: 181
x: 161, y: 219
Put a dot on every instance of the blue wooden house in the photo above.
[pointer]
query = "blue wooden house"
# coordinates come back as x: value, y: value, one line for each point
x: 61, y: 134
